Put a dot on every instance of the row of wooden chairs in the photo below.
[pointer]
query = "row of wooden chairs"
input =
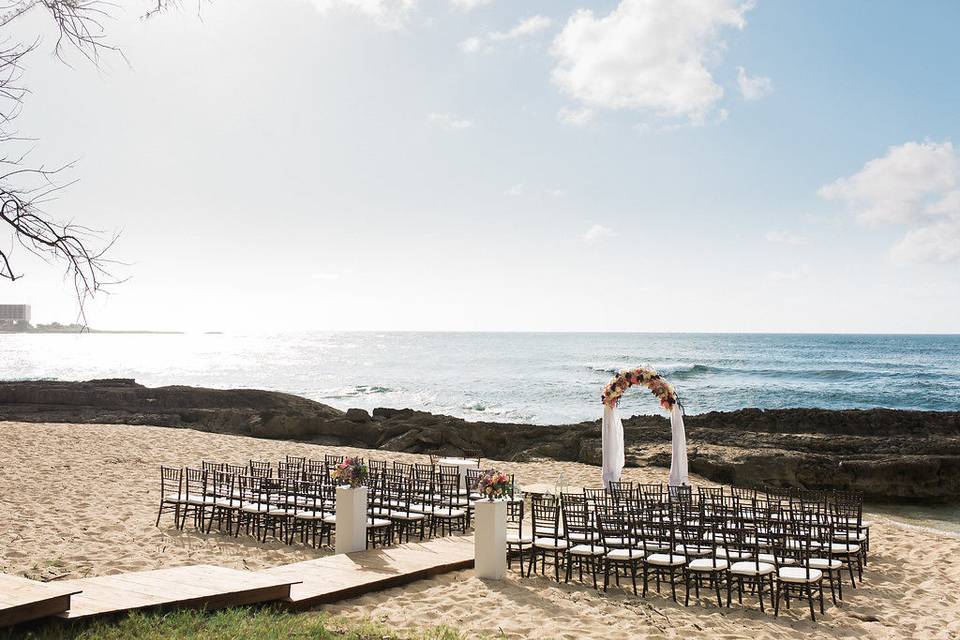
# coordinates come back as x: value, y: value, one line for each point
x: 296, y: 499
x: 713, y: 539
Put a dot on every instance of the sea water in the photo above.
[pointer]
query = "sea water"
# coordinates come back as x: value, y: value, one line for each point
x: 543, y: 378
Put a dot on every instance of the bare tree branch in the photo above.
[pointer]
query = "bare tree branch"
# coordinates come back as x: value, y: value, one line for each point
x: 24, y: 189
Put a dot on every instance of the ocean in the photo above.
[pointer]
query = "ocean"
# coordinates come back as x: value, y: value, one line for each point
x: 542, y: 378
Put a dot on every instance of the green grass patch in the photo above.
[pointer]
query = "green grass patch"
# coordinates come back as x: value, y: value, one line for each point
x: 225, y: 624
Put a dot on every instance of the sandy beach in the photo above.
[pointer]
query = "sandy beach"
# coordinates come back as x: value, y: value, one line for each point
x: 80, y: 500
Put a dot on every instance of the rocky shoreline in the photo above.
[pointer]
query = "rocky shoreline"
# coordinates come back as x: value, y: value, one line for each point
x: 890, y: 455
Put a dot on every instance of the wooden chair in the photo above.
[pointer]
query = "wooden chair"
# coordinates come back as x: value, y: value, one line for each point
x: 171, y: 493
x: 547, y: 538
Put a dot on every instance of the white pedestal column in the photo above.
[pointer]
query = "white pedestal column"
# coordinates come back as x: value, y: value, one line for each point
x: 490, y: 539
x: 351, y: 514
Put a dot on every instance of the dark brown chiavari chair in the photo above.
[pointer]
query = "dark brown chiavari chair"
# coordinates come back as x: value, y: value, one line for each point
x: 519, y: 541
x: 196, y: 497
x: 447, y: 514
x: 547, y: 537
x: 260, y: 469
x: 171, y: 493
x: 619, y: 546
x: 799, y: 578
x: 664, y: 565
x: 710, y: 568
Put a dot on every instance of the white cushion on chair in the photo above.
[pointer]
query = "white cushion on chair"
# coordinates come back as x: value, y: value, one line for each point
x: 654, y: 546
x: 799, y: 574
x: 693, y: 550
x: 664, y: 560
x: 586, y: 550
x: 550, y: 543
x: 707, y: 564
x: 824, y: 563
x: 844, y: 547
x: 769, y: 558
x: 626, y: 554
x: 580, y: 537
x: 750, y: 568
x: 734, y: 554
x: 516, y: 538
x: 455, y: 513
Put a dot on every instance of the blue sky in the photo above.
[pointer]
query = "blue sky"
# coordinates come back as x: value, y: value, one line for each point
x: 514, y: 165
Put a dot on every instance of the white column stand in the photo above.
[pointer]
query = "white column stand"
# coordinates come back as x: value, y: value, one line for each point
x: 351, y: 519
x: 490, y: 539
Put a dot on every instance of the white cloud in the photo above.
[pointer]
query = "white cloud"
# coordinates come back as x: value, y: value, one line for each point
x: 649, y: 55
x: 468, y: 5
x: 753, y: 87
x: 798, y: 273
x: 596, y: 233
x: 449, y: 122
x: 326, y: 276
x: 937, y: 242
x: 516, y: 190
x: 576, y: 117
x: 471, y: 45
x: 785, y: 237
x: 916, y: 184
x: 526, y: 27
x: 389, y: 14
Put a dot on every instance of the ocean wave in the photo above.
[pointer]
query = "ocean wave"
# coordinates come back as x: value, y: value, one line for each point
x: 355, y: 391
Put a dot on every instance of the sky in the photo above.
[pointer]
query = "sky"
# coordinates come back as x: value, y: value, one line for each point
x: 528, y: 165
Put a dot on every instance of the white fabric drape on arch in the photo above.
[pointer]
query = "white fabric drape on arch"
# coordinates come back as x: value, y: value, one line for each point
x: 678, y: 458
x: 611, y: 433
x: 611, y: 438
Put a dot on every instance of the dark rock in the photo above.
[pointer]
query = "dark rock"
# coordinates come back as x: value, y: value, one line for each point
x: 358, y: 415
x: 889, y: 455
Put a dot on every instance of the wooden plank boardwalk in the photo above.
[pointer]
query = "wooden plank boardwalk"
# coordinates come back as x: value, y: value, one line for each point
x: 22, y: 600
x: 299, y: 586
x: 345, y: 576
x: 189, y: 586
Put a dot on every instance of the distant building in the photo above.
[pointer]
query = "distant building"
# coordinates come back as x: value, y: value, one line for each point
x: 11, y: 314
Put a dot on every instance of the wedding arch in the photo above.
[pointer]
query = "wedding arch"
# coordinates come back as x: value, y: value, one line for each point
x: 612, y: 427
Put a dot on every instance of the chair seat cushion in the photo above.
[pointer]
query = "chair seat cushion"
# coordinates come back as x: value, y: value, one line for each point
x: 707, y: 564
x: 693, y: 550
x: 734, y: 554
x: 550, y: 543
x: 769, y: 558
x: 626, y: 554
x: 585, y: 550
x: 844, y: 548
x: 799, y: 574
x: 406, y: 517
x: 752, y: 568
x: 451, y: 513
x: 654, y: 546
x: 308, y: 515
x: 664, y: 560
x: 516, y: 538
x: 580, y: 537
x: 824, y: 563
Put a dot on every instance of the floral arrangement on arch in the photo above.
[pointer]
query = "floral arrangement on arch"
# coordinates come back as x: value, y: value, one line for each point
x: 649, y: 378
x: 493, y: 484
x: 351, y: 471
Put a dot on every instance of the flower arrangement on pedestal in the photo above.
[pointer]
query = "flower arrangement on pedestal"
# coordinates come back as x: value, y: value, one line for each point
x: 493, y: 484
x: 351, y: 471
x: 649, y: 378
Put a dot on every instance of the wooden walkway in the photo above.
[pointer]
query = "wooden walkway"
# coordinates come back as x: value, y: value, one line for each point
x: 298, y: 586
x: 22, y: 600
x: 345, y: 576
x: 189, y: 586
